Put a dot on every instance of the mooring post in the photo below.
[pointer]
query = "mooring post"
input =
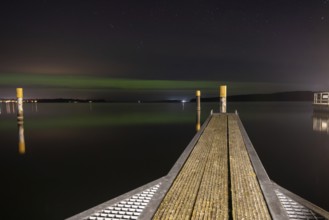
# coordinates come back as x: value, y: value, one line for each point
x: 198, y: 110
x: 222, y: 97
x: 19, y: 92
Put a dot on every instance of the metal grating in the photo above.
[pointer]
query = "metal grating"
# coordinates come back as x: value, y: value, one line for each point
x: 295, y: 210
x: 130, y: 208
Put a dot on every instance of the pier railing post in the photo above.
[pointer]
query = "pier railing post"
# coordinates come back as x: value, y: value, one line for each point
x: 19, y: 92
x: 222, y: 97
x: 198, y: 110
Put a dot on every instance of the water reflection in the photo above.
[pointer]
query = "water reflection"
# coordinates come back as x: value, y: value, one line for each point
x: 183, y: 105
x: 321, y: 122
x: 8, y: 107
x: 198, y: 120
x: 13, y: 107
x: 34, y: 106
x: 21, y: 139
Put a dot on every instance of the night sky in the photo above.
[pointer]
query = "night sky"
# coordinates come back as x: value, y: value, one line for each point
x: 162, y: 49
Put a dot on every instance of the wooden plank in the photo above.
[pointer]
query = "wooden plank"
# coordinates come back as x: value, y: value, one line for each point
x: 247, y: 198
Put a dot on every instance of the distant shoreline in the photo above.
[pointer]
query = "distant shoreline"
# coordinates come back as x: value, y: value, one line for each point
x: 295, y: 96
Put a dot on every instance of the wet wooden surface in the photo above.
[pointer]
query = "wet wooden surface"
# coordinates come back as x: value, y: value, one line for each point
x: 217, y: 180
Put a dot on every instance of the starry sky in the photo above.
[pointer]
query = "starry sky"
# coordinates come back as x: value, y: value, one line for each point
x: 162, y: 49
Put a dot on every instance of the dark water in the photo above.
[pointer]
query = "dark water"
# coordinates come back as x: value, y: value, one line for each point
x: 79, y: 155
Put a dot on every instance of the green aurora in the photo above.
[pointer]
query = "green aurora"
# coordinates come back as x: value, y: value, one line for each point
x: 104, y: 83
x: 87, y: 82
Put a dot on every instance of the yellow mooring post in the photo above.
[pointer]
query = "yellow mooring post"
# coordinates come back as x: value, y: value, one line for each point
x: 222, y: 97
x: 19, y: 92
x: 198, y: 110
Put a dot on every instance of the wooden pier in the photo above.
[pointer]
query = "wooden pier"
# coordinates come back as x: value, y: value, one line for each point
x: 218, y: 176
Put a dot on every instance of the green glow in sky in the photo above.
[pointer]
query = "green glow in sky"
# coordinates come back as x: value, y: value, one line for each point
x: 78, y: 82
x: 84, y: 82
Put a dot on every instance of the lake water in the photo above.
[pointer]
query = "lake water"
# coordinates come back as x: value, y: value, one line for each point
x: 79, y: 155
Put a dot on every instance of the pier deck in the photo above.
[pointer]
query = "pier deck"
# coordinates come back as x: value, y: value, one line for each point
x: 217, y: 180
x: 218, y: 176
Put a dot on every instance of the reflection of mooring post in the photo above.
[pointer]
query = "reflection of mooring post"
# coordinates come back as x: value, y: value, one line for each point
x: 222, y: 96
x: 198, y: 100
x: 19, y: 92
x: 198, y: 110
x: 21, y: 140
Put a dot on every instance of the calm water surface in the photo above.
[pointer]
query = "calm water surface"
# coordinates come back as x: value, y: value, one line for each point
x: 77, y: 156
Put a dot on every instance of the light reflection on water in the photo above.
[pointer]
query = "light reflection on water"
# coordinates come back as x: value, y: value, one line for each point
x: 11, y: 107
x: 321, y: 122
x: 79, y: 155
x: 21, y: 139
